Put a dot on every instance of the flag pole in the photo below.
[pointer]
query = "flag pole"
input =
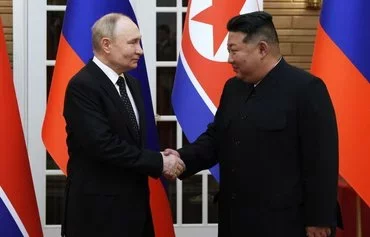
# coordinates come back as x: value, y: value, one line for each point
x: 258, y: 5
x: 358, y: 217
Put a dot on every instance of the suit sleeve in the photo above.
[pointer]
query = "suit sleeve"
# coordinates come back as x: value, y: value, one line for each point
x: 202, y: 154
x: 89, y: 126
x: 319, y: 149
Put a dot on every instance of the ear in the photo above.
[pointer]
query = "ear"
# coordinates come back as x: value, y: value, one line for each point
x: 106, y: 44
x: 263, y: 48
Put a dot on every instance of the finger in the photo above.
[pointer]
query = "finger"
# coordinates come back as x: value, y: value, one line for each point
x: 171, y: 177
x: 321, y: 233
x: 167, y: 176
x: 179, y: 172
x: 181, y: 164
x: 171, y: 151
x: 324, y: 232
x: 310, y: 234
x: 328, y: 232
x: 181, y: 168
x: 167, y: 152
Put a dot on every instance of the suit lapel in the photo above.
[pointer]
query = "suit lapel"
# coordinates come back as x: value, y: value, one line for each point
x: 113, y: 94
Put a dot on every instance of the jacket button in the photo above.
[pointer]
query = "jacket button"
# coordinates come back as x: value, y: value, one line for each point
x: 233, y: 170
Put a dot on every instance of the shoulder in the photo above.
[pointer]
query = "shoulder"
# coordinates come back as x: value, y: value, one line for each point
x: 83, y: 79
x: 300, y: 78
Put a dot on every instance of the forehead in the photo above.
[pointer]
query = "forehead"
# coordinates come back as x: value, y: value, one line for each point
x: 235, y: 38
x: 127, y: 29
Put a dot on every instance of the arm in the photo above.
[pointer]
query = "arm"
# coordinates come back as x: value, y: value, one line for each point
x: 319, y: 152
x: 90, y: 129
x: 203, y: 153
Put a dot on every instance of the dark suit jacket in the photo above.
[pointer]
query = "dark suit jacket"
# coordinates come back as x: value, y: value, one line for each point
x: 277, y: 147
x: 107, y: 190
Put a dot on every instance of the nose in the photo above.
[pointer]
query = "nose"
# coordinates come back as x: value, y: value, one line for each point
x: 139, y: 50
x: 230, y: 59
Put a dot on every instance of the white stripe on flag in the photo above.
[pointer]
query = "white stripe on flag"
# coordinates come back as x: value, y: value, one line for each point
x: 196, y: 84
x: 13, y: 212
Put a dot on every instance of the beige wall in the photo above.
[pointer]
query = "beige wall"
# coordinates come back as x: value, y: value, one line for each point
x: 6, y: 17
x: 296, y: 27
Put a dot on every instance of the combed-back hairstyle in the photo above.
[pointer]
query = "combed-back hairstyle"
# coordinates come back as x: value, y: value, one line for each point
x: 104, y: 27
x: 256, y: 25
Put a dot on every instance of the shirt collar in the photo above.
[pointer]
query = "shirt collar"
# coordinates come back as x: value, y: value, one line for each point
x: 112, y: 75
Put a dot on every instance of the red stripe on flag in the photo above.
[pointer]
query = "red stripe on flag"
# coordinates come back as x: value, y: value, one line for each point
x: 15, y: 173
x: 53, y: 132
x: 161, y: 211
x: 350, y: 93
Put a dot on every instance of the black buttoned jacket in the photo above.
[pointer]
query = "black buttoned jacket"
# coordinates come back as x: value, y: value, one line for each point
x: 277, y: 146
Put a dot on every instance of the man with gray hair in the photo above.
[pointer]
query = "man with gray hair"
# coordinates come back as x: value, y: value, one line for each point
x: 107, y: 191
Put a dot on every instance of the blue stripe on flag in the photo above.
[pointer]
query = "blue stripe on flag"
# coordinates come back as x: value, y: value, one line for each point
x: 8, y: 226
x: 347, y: 24
x: 191, y: 111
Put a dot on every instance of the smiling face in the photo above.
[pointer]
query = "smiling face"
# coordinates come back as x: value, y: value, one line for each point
x: 124, y: 49
x: 244, y: 57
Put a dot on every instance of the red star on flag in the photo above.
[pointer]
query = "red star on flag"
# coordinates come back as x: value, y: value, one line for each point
x: 218, y: 15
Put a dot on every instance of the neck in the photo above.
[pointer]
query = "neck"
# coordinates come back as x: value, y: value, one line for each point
x: 268, y: 64
x: 104, y: 60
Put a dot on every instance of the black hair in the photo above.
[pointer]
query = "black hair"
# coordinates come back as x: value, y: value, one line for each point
x: 254, y: 24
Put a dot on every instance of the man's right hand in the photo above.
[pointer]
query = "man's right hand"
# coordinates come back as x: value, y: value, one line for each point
x: 173, y: 166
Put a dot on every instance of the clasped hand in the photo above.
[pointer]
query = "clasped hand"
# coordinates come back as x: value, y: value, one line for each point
x: 173, y: 166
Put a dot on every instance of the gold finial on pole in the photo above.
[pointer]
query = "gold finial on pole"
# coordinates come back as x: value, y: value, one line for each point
x: 313, y: 4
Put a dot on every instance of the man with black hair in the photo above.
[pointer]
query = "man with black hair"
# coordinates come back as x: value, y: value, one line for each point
x: 275, y: 138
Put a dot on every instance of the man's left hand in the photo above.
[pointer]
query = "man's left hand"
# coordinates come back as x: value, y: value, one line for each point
x: 312, y: 231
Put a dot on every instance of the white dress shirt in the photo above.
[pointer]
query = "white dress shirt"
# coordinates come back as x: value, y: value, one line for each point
x: 113, y: 76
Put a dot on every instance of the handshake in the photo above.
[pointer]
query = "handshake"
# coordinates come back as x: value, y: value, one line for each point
x: 173, y: 166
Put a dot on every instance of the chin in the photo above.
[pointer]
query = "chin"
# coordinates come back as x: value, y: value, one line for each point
x: 133, y: 66
x: 243, y: 78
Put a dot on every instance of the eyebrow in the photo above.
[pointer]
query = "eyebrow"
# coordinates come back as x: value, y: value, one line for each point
x: 135, y: 38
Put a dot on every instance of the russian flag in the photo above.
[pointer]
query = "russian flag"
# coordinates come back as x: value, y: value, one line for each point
x: 19, y: 215
x: 342, y: 59
x: 75, y: 50
x: 202, y: 68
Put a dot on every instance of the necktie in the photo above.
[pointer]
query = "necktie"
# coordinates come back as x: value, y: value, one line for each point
x: 126, y: 101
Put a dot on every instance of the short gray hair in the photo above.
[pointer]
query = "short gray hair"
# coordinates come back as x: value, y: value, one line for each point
x: 104, y: 27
